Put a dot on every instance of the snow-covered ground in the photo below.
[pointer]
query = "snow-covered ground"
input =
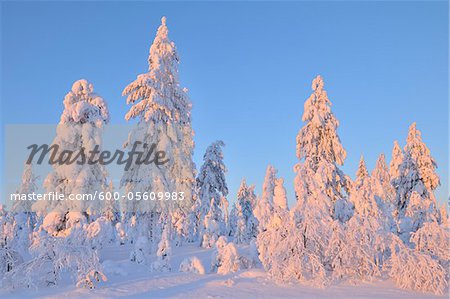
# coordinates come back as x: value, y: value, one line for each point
x: 128, y: 279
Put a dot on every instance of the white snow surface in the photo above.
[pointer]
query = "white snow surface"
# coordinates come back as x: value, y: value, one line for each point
x: 130, y: 280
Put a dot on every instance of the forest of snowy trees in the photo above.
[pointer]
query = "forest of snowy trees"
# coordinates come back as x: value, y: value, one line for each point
x: 383, y: 224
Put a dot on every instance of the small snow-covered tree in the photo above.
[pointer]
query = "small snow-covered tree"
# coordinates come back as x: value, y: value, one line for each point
x: 275, y: 230
x: 145, y: 232
x: 264, y: 206
x: 100, y: 232
x: 212, y: 188
x: 27, y: 186
x: 192, y: 265
x: 280, y: 199
x: 80, y: 130
x: 142, y: 250
x: 163, y: 253
x: 362, y: 195
x: 270, y: 241
x: 381, y: 182
x: 384, y: 192
x: 244, y: 225
x: 396, y: 160
x: 225, y: 258
x: 22, y: 230
x: 120, y: 233
x: 212, y: 227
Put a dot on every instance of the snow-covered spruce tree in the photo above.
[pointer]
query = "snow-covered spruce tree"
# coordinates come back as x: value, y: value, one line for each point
x: 381, y: 181
x: 362, y: 195
x: 79, y: 130
x: 280, y: 199
x: 27, y: 186
x: 320, y: 151
x: 264, y: 206
x: 212, y: 226
x: 163, y: 111
x: 225, y: 258
x: 163, y: 253
x: 211, y: 188
x: 367, y: 230
x: 22, y: 229
x: 420, y: 153
x: 417, y: 175
x: 384, y: 192
x: 275, y: 231
x: 319, y: 187
x: 417, y: 171
x: 245, y: 224
x: 23, y: 219
x: 396, y: 160
x: 142, y: 250
x: 273, y: 200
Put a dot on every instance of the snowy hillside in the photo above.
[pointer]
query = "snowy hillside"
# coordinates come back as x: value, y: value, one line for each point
x: 126, y: 279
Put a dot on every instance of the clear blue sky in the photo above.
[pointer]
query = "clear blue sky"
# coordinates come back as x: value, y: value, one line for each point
x: 248, y: 67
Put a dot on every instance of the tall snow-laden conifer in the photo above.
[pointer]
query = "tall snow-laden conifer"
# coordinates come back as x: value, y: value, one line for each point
x: 320, y: 151
x: 298, y: 248
x: 163, y: 111
x: 80, y: 130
